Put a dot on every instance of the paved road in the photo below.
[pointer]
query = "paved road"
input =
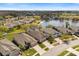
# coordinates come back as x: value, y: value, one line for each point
x: 59, y: 48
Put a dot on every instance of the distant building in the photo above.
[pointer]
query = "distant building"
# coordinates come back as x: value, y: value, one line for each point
x: 63, y: 30
x: 51, y: 32
x: 7, y: 48
x: 74, y: 29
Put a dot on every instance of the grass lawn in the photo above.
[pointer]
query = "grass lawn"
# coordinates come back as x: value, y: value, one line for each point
x: 37, y: 54
x: 75, y: 46
x: 46, y: 49
x: 77, y: 49
x: 51, y: 40
x: 29, y: 52
x: 12, y: 34
x: 42, y: 45
x: 66, y: 37
x: 71, y: 54
x: 63, y: 53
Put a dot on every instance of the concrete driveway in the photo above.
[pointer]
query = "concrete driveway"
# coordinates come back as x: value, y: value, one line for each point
x: 39, y: 49
x: 60, y: 48
x: 47, y: 44
x: 58, y: 40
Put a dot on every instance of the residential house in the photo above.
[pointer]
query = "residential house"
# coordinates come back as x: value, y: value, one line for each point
x: 7, y: 48
x: 63, y: 30
x: 37, y: 34
x: 51, y: 32
x: 24, y: 40
x: 74, y: 30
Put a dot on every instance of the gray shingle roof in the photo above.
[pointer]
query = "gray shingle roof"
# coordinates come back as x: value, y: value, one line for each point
x: 21, y: 38
x: 7, y: 47
x: 37, y: 34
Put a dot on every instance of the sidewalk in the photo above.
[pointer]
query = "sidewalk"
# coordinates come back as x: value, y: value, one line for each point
x: 73, y: 51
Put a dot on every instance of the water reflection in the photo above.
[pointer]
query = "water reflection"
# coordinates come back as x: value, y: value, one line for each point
x: 60, y: 23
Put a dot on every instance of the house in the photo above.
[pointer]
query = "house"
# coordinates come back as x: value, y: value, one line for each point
x: 50, y: 32
x: 10, y: 25
x: 37, y: 34
x: 63, y: 30
x: 75, y: 29
x: 7, y: 48
x: 77, y: 34
x: 24, y: 40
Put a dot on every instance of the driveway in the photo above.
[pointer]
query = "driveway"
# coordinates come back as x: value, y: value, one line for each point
x: 60, y: 48
x: 47, y: 44
x: 39, y: 49
x: 58, y: 40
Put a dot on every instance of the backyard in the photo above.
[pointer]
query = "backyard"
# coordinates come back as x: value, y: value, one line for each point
x: 29, y: 52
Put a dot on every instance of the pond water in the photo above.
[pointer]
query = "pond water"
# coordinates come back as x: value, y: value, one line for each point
x: 59, y: 23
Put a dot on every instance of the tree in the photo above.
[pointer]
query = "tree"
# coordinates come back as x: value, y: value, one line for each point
x: 37, y: 17
x: 9, y: 16
x: 1, y: 34
x: 1, y: 17
x: 3, y: 29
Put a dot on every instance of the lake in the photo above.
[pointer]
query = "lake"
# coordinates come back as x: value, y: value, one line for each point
x: 59, y: 23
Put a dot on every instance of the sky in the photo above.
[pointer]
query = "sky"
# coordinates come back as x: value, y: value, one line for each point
x: 39, y: 6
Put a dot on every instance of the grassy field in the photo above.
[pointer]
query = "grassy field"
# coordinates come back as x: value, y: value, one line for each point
x: 46, y: 49
x: 37, y: 54
x: 71, y: 54
x: 63, y: 53
x: 51, y: 40
x: 42, y: 45
x: 75, y: 46
x: 77, y: 49
x: 29, y: 52
x: 12, y: 34
x: 66, y: 37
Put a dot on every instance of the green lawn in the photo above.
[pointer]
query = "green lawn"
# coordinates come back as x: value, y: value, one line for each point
x: 51, y: 40
x: 71, y: 54
x: 63, y: 53
x: 29, y: 52
x: 46, y: 49
x: 37, y: 54
x: 75, y: 46
x: 66, y: 37
x: 12, y: 34
x: 77, y: 49
x: 42, y: 45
